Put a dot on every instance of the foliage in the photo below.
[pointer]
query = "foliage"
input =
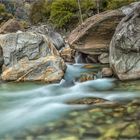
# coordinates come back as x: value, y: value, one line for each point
x: 64, y: 12
x: 40, y: 10
x: 60, y: 12
x: 4, y: 16
x: 2, y: 8
x: 113, y: 4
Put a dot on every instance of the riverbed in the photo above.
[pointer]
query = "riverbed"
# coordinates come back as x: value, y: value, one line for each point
x: 101, y: 109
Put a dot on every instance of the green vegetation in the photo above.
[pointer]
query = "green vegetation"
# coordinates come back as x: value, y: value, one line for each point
x: 2, y: 8
x: 60, y: 12
x: 40, y: 11
x: 63, y: 13
x: 113, y: 4
x: 3, y: 14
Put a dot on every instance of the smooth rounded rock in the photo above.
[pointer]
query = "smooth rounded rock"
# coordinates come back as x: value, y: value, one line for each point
x: 30, y: 56
x: 125, y: 47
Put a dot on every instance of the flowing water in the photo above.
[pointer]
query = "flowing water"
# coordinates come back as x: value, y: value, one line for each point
x: 70, y: 110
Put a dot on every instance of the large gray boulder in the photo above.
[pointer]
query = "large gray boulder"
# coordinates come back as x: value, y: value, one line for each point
x: 55, y: 37
x: 30, y: 56
x: 125, y: 47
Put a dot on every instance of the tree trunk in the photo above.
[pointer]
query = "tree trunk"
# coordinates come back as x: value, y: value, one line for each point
x: 80, y: 11
x: 98, y: 6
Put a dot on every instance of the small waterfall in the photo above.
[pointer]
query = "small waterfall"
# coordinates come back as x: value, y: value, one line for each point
x: 80, y: 58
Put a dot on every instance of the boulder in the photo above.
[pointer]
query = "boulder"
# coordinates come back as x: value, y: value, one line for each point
x: 30, y: 56
x: 55, y: 37
x: 104, y: 58
x: 85, y: 77
x: 12, y: 25
x: 107, y: 72
x: 94, y: 35
x: 84, y: 58
x: 125, y: 47
x: 67, y: 54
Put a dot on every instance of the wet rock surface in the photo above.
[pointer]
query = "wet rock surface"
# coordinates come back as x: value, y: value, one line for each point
x: 125, y: 46
x: 107, y: 72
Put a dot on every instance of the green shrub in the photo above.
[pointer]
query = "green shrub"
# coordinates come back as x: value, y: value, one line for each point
x: 2, y: 8
x: 40, y: 11
x: 36, y: 13
x: 114, y: 4
x: 4, y: 16
x: 64, y: 12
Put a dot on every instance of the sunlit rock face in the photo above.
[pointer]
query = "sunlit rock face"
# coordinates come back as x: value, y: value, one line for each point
x: 125, y: 47
x: 30, y: 56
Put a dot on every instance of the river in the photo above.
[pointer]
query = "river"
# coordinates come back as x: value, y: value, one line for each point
x: 102, y: 109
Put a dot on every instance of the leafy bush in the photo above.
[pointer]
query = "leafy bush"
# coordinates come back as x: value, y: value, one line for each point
x: 40, y: 10
x: 114, y: 4
x: 64, y: 12
x: 4, y: 16
x: 36, y: 13
x: 60, y: 12
x: 2, y: 8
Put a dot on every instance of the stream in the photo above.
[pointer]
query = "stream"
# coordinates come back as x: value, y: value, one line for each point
x: 101, y: 109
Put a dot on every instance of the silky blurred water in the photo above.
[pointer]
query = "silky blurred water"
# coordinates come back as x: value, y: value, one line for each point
x: 23, y: 105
